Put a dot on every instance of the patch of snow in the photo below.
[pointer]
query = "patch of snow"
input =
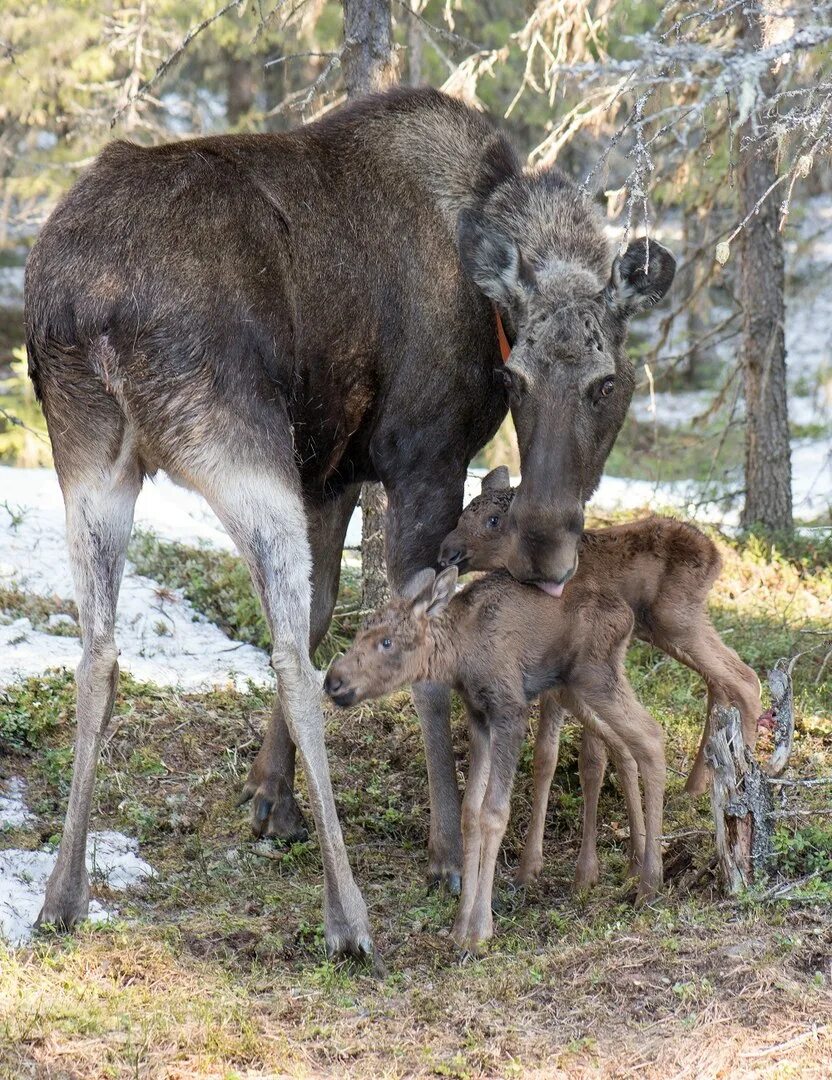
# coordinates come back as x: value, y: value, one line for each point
x: 13, y: 809
x: 112, y: 859
x: 161, y: 637
x: 11, y: 285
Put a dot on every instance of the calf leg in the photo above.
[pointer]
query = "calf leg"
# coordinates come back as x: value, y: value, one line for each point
x: 99, y: 517
x: 265, y: 516
x: 698, y: 646
x: 598, y: 738
x: 506, y: 741
x: 270, y: 782
x: 592, y: 764
x: 619, y: 710
x: 546, y: 745
x: 478, y: 772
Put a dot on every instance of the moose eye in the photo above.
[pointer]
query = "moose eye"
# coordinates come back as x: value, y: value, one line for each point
x: 604, y: 389
x: 493, y: 521
x: 386, y: 644
x: 513, y: 382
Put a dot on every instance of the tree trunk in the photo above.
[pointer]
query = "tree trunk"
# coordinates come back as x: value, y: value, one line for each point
x: 691, y: 290
x: 768, y: 472
x: 242, y: 88
x: 368, y: 46
x: 368, y: 65
x: 415, y: 47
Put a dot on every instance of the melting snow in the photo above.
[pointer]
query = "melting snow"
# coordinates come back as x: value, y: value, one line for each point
x: 112, y: 860
x: 161, y: 637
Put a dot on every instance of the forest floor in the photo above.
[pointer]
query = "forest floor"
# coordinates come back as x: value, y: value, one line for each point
x: 212, y: 961
x: 214, y: 965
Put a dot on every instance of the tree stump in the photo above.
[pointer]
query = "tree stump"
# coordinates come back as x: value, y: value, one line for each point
x: 742, y: 803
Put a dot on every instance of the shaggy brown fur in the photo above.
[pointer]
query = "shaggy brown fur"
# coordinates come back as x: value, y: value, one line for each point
x: 663, y: 570
x: 499, y: 644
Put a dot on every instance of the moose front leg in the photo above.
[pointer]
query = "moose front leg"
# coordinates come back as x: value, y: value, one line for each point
x: 419, y: 517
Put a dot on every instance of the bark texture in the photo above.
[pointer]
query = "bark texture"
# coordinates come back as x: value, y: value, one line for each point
x: 368, y: 46
x: 368, y: 65
x: 768, y: 471
x: 742, y: 804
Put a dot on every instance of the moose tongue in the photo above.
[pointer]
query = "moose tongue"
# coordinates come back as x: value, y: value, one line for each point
x: 550, y: 588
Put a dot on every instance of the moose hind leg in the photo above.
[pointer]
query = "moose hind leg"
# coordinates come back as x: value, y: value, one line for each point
x: 99, y: 517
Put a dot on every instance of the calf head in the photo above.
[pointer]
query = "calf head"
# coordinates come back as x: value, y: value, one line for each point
x: 479, y: 539
x: 393, y: 648
x: 536, y: 252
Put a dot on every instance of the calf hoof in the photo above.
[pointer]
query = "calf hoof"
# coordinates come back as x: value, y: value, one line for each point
x: 649, y: 888
x: 274, y: 811
x: 698, y: 781
x: 587, y: 874
x: 528, y: 872
x: 470, y: 939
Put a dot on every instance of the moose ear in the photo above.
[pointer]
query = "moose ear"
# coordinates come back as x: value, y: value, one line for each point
x: 419, y: 585
x: 498, y: 479
x: 640, y: 277
x: 492, y: 260
x: 443, y: 590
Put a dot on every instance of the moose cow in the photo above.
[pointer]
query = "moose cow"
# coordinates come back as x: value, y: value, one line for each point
x: 273, y: 319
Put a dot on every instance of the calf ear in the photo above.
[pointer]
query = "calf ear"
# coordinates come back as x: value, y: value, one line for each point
x: 419, y: 585
x: 497, y: 480
x: 443, y: 590
x: 492, y: 260
x: 640, y: 277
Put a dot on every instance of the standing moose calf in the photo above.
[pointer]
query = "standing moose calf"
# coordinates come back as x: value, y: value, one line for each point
x: 499, y: 644
x: 663, y: 570
x: 273, y: 319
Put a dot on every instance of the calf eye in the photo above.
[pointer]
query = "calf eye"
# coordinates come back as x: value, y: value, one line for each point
x: 386, y: 643
x: 493, y: 521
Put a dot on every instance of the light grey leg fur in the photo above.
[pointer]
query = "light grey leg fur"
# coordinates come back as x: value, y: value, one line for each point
x: 99, y: 517
x: 265, y: 516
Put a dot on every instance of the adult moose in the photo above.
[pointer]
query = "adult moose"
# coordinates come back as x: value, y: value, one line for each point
x: 273, y: 319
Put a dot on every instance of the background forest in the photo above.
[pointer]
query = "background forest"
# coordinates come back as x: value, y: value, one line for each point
x: 706, y: 125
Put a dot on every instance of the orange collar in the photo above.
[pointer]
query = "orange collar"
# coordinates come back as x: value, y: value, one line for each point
x: 505, y: 348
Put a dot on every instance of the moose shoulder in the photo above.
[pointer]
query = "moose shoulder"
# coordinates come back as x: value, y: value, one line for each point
x: 272, y: 319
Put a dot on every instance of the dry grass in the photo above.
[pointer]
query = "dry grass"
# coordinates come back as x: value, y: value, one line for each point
x: 217, y: 968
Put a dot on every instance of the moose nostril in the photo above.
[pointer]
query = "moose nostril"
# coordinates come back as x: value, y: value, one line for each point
x: 453, y: 557
x: 332, y: 684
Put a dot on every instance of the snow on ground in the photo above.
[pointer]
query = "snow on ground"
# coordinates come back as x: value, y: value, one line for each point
x: 112, y: 859
x: 161, y: 637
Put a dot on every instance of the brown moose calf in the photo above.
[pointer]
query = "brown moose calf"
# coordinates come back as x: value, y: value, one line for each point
x: 500, y: 644
x: 663, y: 570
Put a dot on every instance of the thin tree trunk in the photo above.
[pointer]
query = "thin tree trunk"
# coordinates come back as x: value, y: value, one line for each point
x: 415, y: 46
x: 242, y: 87
x: 768, y: 473
x: 368, y: 65
x: 690, y: 289
x: 368, y: 46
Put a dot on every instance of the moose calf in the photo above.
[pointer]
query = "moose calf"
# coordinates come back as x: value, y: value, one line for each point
x: 500, y: 644
x: 663, y: 570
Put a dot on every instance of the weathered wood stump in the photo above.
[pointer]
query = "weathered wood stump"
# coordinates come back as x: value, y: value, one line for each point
x: 742, y: 803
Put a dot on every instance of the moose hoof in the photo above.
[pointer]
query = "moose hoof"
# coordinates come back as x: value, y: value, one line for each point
x: 64, y: 906
x: 347, y: 929
x: 447, y: 878
x: 274, y: 812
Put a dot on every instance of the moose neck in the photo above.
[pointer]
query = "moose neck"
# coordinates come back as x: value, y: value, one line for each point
x: 444, y: 660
